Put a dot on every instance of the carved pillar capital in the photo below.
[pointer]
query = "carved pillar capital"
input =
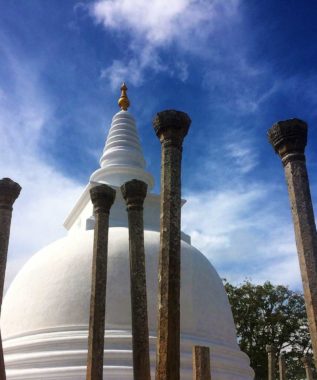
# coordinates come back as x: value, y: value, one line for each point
x: 134, y: 193
x: 9, y: 192
x: 102, y: 197
x: 171, y: 127
x: 289, y: 139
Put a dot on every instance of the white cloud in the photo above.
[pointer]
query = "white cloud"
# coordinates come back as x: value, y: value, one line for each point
x: 134, y: 69
x: 160, y: 22
x: 228, y: 213
x: 243, y: 155
x: 283, y: 271
x: 39, y: 212
x: 118, y: 72
x: 2, y: 95
x: 241, y: 87
x: 148, y: 27
x: 164, y: 37
x: 180, y: 71
x: 46, y: 194
x: 243, y: 233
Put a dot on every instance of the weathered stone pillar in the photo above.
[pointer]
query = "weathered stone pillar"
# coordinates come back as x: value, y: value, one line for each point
x: 307, y: 366
x: 134, y: 193
x: 282, y: 367
x: 289, y: 140
x: 201, y: 363
x: 171, y: 127
x: 9, y: 191
x: 270, y: 362
x: 102, y: 197
x: 2, y: 364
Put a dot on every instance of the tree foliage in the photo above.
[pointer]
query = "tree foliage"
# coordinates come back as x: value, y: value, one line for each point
x: 267, y: 314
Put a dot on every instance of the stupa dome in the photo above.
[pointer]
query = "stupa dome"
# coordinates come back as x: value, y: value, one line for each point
x: 45, y: 313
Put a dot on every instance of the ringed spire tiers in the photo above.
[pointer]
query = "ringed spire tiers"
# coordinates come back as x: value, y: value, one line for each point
x: 122, y: 159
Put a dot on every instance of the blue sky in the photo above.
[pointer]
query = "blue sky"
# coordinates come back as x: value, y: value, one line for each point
x: 234, y: 66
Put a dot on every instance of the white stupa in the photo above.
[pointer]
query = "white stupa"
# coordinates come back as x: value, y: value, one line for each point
x: 45, y: 312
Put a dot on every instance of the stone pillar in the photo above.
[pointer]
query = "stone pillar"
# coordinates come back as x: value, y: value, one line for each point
x: 307, y: 366
x: 282, y: 367
x: 2, y: 364
x: 9, y: 191
x: 102, y: 197
x: 270, y: 362
x: 134, y: 193
x: 171, y: 127
x: 289, y: 140
x: 201, y: 363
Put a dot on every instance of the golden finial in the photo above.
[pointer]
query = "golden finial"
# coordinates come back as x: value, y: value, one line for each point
x: 123, y: 101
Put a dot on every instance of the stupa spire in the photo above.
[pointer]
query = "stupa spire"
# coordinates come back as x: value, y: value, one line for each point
x: 122, y: 159
x: 123, y: 101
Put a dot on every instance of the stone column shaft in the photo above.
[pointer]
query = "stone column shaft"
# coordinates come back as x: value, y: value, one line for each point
x: 282, y: 367
x: 2, y: 364
x: 134, y: 193
x: 102, y: 197
x: 289, y: 140
x: 307, y: 366
x: 9, y: 191
x: 201, y: 363
x: 306, y: 239
x: 270, y: 362
x: 171, y: 127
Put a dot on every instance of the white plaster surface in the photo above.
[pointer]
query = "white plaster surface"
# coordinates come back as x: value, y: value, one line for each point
x: 122, y: 156
x: 46, y: 311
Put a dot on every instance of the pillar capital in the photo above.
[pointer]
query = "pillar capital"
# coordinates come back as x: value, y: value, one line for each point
x: 9, y: 192
x: 289, y: 139
x: 171, y: 126
x: 102, y: 197
x: 134, y: 193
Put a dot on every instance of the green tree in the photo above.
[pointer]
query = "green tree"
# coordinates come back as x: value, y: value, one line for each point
x: 268, y: 314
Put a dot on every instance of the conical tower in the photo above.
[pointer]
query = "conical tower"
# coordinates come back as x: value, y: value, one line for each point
x: 122, y: 158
